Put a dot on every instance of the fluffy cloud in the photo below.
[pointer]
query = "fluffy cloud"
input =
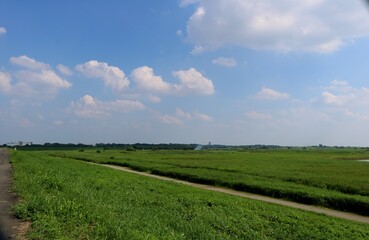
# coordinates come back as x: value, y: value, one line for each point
x: 44, y: 77
x: 270, y: 94
x: 203, y: 117
x: 64, y: 70
x: 340, y: 93
x: 170, y: 119
x: 90, y: 107
x: 29, y: 63
x: 145, y: 79
x: 5, y: 85
x: 226, y: 62
x: 35, y: 79
x: 329, y: 98
x: 285, y: 25
x: 88, y: 100
x: 182, y: 114
x: 193, y: 81
x: 38, y: 72
x: 112, y: 76
x: 196, y: 115
x: 2, y: 30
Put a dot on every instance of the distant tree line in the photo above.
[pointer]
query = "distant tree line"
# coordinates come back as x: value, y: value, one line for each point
x: 168, y: 146
x: 148, y: 146
x: 129, y: 147
x: 54, y: 146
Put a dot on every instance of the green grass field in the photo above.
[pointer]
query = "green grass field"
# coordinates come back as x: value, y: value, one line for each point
x: 326, y: 177
x: 69, y: 199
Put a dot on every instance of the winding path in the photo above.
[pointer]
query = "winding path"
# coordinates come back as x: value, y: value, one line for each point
x: 325, y: 211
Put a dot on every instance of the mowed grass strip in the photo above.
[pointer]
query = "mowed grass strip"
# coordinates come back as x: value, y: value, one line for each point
x: 318, y: 177
x: 68, y: 199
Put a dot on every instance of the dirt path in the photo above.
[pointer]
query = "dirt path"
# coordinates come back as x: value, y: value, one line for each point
x: 325, y: 211
x: 9, y: 225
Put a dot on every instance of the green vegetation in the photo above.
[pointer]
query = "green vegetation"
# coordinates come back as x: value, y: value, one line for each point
x: 69, y: 199
x: 325, y: 177
x: 132, y: 147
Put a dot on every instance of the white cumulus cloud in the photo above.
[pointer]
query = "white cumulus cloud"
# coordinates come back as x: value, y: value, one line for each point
x: 35, y: 79
x: 203, y: 117
x: 190, y: 82
x: 88, y: 100
x: 64, y: 69
x: 270, y: 94
x: 113, y: 77
x: 5, y: 84
x: 191, y: 116
x: 340, y: 93
x: 182, y: 114
x: 29, y: 63
x: 145, y: 79
x: 170, y: 119
x: 330, y: 98
x: 193, y: 81
x: 307, y: 25
x: 89, y: 107
x: 181, y: 117
x: 226, y: 62
x: 45, y: 77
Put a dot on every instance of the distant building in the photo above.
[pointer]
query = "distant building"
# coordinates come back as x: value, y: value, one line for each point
x: 198, y: 147
x: 20, y: 144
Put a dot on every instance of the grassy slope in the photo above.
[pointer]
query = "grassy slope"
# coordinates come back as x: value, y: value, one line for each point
x: 320, y: 177
x: 67, y: 199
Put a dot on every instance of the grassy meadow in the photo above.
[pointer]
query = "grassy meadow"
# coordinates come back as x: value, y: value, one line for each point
x: 69, y: 199
x: 331, y: 178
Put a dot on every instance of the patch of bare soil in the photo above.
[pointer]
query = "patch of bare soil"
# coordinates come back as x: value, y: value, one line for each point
x: 10, y: 227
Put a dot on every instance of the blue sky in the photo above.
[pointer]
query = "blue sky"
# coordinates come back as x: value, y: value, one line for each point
x: 185, y: 71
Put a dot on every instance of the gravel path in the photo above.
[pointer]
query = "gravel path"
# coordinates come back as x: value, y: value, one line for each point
x: 325, y: 211
x: 9, y: 225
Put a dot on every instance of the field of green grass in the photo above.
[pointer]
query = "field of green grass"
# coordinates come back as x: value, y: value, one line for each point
x: 69, y: 199
x: 326, y: 177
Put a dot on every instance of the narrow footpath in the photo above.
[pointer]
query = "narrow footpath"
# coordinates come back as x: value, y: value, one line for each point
x: 9, y: 225
x: 325, y: 211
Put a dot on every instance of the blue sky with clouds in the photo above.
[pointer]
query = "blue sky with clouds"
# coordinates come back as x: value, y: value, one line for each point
x: 186, y: 71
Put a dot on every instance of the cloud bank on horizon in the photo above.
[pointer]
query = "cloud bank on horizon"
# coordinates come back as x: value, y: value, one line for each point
x: 230, y: 71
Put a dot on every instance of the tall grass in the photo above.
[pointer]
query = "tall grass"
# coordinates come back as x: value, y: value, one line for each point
x: 68, y: 199
x: 329, y: 178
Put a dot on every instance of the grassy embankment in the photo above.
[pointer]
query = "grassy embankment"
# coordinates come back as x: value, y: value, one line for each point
x: 328, y: 178
x: 68, y: 199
